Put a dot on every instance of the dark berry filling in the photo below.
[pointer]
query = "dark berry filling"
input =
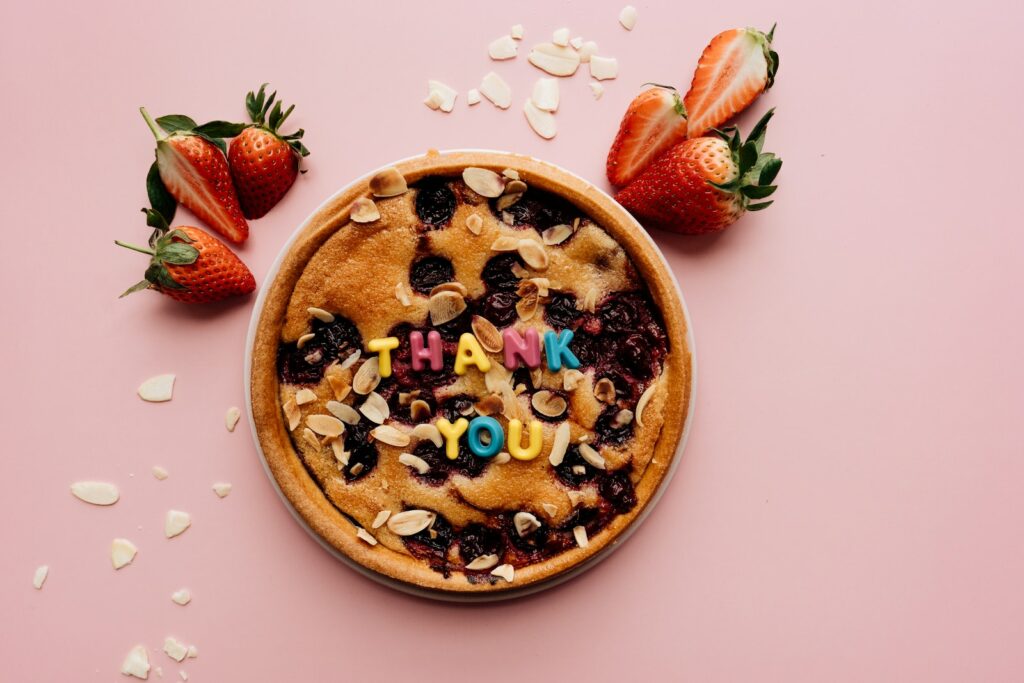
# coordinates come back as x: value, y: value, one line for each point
x: 499, y: 307
x: 561, y: 312
x: 569, y: 471
x: 430, y: 272
x: 477, y: 539
x: 432, y: 544
x: 362, y: 451
x: 402, y: 373
x: 540, y: 210
x: 332, y: 341
x: 607, y: 432
x: 435, y: 202
x: 617, y: 489
x: 497, y: 272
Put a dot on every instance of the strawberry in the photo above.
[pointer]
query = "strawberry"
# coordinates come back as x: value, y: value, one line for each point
x: 704, y: 184
x: 264, y: 163
x: 654, y: 122
x: 735, y: 68
x: 194, y: 171
x: 189, y: 264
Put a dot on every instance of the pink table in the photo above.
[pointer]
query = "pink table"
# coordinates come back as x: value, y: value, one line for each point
x: 849, y: 507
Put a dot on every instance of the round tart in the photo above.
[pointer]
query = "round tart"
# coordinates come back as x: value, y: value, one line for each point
x: 470, y: 245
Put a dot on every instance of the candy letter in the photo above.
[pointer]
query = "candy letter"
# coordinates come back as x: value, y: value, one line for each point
x: 383, y: 348
x: 556, y: 349
x: 493, y: 429
x: 470, y: 353
x: 420, y: 354
x: 451, y: 433
x: 515, y: 440
x: 527, y: 349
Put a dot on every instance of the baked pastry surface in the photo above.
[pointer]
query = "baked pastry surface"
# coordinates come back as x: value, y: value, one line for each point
x: 342, y: 283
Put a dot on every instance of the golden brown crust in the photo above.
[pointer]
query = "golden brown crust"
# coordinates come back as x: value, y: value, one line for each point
x: 307, y: 277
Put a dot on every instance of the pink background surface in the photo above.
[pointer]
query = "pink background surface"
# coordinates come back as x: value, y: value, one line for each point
x: 849, y: 507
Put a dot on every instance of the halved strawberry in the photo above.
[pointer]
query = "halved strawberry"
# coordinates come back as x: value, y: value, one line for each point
x: 736, y: 67
x: 655, y: 121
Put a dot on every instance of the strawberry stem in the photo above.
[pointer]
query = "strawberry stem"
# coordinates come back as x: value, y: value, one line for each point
x: 158, y: 132
x: 134, y: 247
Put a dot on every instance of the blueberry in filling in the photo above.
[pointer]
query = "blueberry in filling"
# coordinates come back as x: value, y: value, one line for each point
x: 362, y: 452
x: 497, y: 273
x: 609, y: 432
x: 561, y: 312
x: 617, y: 488
x: 430, y: 272
x: 499, y: 307
x: 540, y: 210
x: 569, y: 471
x: 476, y: 540
x: 432, y: 541
x: 435, y: 202
x: 332, y: 341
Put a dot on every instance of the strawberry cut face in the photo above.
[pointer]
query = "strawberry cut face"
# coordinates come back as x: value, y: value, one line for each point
x: 654, y: 122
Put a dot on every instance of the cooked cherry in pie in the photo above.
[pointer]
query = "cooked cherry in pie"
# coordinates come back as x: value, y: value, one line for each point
x: 470, y: 373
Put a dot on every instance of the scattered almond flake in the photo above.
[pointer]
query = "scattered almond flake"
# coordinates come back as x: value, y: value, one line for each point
x: 580, y: 534
x: 304, y: 396
x: 542, y: 122
x: 351, y: 360
x: 472, y: 96
x: 533, y: 253
x: 536, y: 377
x: 375, y: 408
x: 504, y: 571
x: 520, y: 389
x: 502, y: 48
x: 392, y: 436
x: 492, y: 404
x: 487, y: 334
x: 511, y: 410
x: 176, y: 522
x: 314, y: 356
x: 516, y: 186
x: 475, y: 224
x: 592, y: 457
x: 579, y: 469
x: 402, y: 294
x: 159, y: 472
x: 446, y: 95
x: 597, y: 89
x: 622, y: 418
x: 525, y: 523
x: 325, y: 425
x: 193, y: 652
x: 415, y: 462
x: 496, y: 377
x: 571, y: 379
x: 419, y: 410
x: 557, y: 60
x: 526, y: 307
x: 356, y: 469
x: 627, y: 17
x: 304, y: 339
x: 560, y: 445
x: 517, y: 31
x: 175, y: 649
x: 604, y: 390
x: 222, y: 489
x: 545, y: 94
x: 410, y: 522
x: 587, y: 50
x: 445, y: 307
x: 456, y: 287
x: 502, y: 458
x: 320, y: 314
x: 364, y: 210
x: 576, y: 42
x: 122, y: 552
x: 494, y: 88
x: 484, y: 182
x: 183, y: 674
x: 292, y: 412
x: 543, y: 285
x: 182, y: 596
x: 343, y: 412
x: 589, y: 301
x: 507, y: 200
x: 95, y: 492
x: 39, y: 578
x: 433, y: 100
x: 157, y: 389
x: 340, y: 454
x: 556, y: 234
x: 136, y: 663
x: 388, y: 182
x: 575, y: 497
x: 483, y: 562
x: 507, y: 218
x: 365, y: 535
x: 428, y: 432
x: 549, y: 508
x: 511, y: 174
x: 645, y: 398
x: 603, y: 68
x: 548, y: 404
x: 232, y: 417
x: 381, y: 517
x: 560, y: 37
x: 310, y: 438
x: 384, y: 485
x: 367, y: 377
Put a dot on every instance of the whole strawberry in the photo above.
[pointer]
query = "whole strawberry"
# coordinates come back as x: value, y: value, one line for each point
x: 704, y: 184
x: 195, y: 172
x: 189, y: 264
x: 264, y: 163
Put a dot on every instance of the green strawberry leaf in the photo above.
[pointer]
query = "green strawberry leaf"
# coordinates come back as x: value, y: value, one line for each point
x: 175, y: 122
x: 159, y: 198
x: 137, y: 287
x: 759, y: 207
x: 155, y: 219
x: 769, y: 171
x: 757, y: 133
x: 748, y: 157
x: 178, y: 254
x: 178, y: 234
x: 159, y: 276
x: 221, y: 129
x: 758, y: 191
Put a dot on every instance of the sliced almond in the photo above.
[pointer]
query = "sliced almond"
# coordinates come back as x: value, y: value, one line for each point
x: 543, y: 285
x: 548, y: 404
x: 622, y: 418
x: 559, y: 445
x: 542, y: 122
x: 231, y: 418
x: 222, y: 489
x: 95, y: 492
x: 365, y: 536
x: 549, y: 509
x: 505, y: 571
x: 356, y: 469
x: 511, y: 174
x: 429, y: 433
x: 402, y: 294
x: 415, y: 462
x: 391, y: 436
x: 557, y: 60
x: 343, y: 412
x: 505, y: 243
x: 627, y: 17
x: 576, y: 42
x: 502, y: 48
x: 367, y: 377
x: 325, y: 425
x: 136, y: 663
x: 157, y: 389
x: 350, y: 361
x: 456, y: 287
x: 309, y: 436
x: 340, y: 454
x: 410, y: 522
x: 375, y: 408
x: 492, y: 404
x: 527, y: 306
x: 556, y: 234
x: 442, y: 94
x: 519, y: 271
x: 533, y: 253
x: 604, y: 390
x: 483, y: 562
x: 487, y: 334
x: 494, y: 88
x: 507, y: 200
x: 304, y: 339
x: 575, y: 497
x: 182, y: 597
x: 484, y: 182
x: 176, y: 522
x: 381, y: 517
x: 433, y: 100
x: 593, y: 458
x: 536, y: 377
x: 517, y: 31
x: 388, y: 182
x: 475, y: 224
x: 364, y: 211
x: 587, y: 50
x: 122, y: 552
x: 525, y: 523
x: 545, y: 94
x: 419, y: 410
x: 320, y: 314
x: 571, y: 379
x: 304, y: 396
x: 589, y: 301
x: 561, y: 37
x: 445, y: 307
x: 292, y: 412
x: 160, y: 473
x: 603, y: 68
x: 502, y: 458
x: 596, y: 89
x: 580, y: 534
x: 472, y: 96
x: 496, y: 377
x: 645, y: 398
